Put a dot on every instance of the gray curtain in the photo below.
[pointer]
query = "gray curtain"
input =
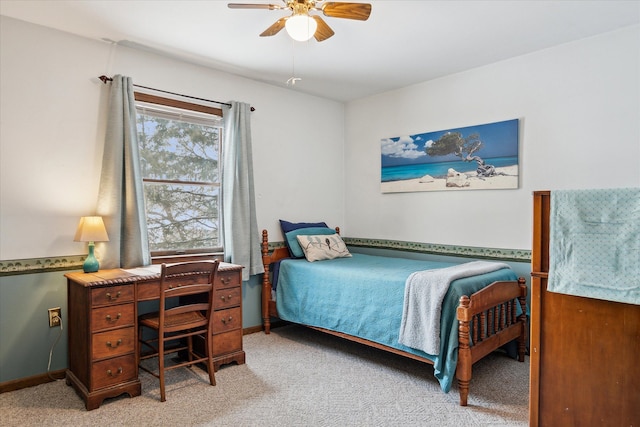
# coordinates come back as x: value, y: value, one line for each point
x: 121, y: 198
x: 240, y: 234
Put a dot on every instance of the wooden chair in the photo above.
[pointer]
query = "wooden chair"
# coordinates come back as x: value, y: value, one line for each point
x: 186, y: 310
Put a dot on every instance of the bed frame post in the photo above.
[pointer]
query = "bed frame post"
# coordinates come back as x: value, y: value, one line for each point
x: 523, y: 338
x: 465, y: 360
x: 266, y: 284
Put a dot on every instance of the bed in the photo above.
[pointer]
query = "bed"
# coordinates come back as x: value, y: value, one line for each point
x: 362, y: 298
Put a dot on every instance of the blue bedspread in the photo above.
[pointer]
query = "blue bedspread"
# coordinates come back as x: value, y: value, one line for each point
x: 363, y: 296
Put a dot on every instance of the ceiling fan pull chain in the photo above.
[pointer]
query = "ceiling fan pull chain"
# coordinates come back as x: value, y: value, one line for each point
x: 293, y: 79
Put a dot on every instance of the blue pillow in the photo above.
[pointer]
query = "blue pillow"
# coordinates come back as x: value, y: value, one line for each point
x: 290, y: 226
x: 292, y: 241
x: 287, y: 226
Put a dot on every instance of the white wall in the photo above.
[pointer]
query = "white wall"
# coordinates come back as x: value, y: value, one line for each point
x: 52, y: 126
x: 578, y: 104
x: 579, y: 111
x: 52, y: 109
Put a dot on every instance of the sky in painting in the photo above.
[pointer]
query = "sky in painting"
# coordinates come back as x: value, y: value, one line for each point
x: 499, y: 139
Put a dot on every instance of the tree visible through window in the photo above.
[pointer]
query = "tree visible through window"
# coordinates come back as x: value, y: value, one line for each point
x: 179, y: 156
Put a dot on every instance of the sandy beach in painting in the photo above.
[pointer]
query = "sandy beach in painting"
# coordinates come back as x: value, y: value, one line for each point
x: 508, y: 180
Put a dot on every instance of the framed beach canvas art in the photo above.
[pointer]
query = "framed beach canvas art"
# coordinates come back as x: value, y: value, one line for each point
x: 476, y: 157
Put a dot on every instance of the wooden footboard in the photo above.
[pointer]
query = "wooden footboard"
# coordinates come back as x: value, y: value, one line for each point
x: 489, y: 314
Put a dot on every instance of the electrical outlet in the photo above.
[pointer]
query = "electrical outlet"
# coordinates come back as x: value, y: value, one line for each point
x: 55, y: 314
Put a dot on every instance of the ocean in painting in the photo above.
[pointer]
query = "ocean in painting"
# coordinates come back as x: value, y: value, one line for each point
x: 439, y: 170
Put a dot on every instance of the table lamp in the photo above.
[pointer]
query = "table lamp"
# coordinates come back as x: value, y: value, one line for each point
x: 91, y: 229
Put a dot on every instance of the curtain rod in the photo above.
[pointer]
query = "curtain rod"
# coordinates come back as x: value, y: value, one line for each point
x: 106, y: 79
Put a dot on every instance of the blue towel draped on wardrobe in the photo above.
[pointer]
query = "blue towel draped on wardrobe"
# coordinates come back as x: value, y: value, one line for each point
x: 594, y: 244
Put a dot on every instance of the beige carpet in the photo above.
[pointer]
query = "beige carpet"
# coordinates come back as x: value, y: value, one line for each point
x: 294, y: 377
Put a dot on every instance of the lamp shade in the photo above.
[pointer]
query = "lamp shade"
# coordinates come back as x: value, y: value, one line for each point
x: 91, y: 229
x: 301, y: 27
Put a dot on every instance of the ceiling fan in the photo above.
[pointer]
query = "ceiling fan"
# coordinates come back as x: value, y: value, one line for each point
x: 301, y: 25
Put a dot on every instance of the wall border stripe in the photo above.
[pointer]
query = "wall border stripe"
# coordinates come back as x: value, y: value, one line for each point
x: 41, y: 265
x: 74, y: 262
x: 517, y: 255
x: 520, y: 255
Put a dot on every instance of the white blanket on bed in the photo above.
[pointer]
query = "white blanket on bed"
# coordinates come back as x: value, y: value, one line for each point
x: 423, y: 295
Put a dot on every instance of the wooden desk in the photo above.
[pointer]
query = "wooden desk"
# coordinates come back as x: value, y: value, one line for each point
x: 102, y: 327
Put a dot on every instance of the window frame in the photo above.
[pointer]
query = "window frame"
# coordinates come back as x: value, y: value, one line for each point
x: 168, y: 256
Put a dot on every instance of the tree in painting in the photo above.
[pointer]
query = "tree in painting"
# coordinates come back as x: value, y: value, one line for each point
x: 465, y: 148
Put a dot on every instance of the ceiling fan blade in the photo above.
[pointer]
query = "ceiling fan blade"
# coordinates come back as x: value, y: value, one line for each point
x: 359, y: 11
x: 275, y: 28
x: 254, y: 6
x: 323, y: 31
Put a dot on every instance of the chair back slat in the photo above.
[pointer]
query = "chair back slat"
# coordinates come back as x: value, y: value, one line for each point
x: 192, y: 283
x: 185, y: 313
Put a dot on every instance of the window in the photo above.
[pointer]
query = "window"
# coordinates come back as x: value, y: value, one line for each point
x: 179, y: 155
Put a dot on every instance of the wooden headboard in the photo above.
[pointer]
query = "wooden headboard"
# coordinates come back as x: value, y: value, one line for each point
x: 282, y: 252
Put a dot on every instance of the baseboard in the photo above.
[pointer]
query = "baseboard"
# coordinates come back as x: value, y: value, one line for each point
x: 21, y: 383
x: 60, y: 374
x: 252, y: 330
x: 260, y: 328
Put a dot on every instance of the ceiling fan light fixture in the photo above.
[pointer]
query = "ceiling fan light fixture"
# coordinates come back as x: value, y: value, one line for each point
x: 301, y: 27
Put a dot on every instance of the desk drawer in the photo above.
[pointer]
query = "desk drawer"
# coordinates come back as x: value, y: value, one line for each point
x: 111, y: 295
x: 148, y: 290
x: 151, y: 290
x: 226, y: 320
x: 112, y: 316
x: 113, y: 371
x: 227, y: 342
x: 112, y: 343
x: 227, y: 279
x: 225, y: 298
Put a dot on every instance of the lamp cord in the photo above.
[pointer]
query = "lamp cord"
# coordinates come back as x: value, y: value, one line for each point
x: 51, y: 352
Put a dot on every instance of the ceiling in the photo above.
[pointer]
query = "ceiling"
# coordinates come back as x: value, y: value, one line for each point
x: 402, y: 43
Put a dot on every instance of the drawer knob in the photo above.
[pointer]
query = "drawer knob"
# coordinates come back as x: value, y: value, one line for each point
x: 109, y: 319
x: 111, y: 374
x: 228, y: 297
x: 230, y: 319
x: 225, y: 280
x: 110, y: 345
x: 111, y: 297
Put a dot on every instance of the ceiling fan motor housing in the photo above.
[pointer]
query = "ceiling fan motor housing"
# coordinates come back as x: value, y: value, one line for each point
x: 347, y: 10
